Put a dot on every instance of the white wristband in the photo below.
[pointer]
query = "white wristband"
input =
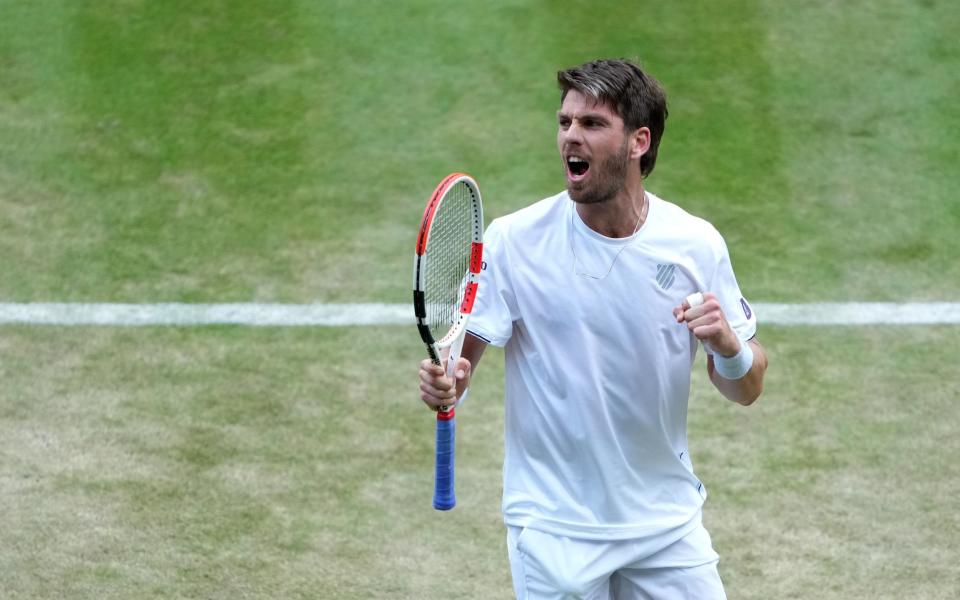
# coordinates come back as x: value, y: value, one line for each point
x: 695, y: 299
x: 736, y: 366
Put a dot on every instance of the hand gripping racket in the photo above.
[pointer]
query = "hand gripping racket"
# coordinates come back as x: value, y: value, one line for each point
x: 446, y: 271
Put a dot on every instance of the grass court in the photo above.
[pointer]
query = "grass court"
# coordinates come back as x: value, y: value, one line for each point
x: 281, y: 151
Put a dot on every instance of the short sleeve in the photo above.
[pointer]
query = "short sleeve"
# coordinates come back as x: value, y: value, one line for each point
x: 736, y: 309
x: 495, y: 308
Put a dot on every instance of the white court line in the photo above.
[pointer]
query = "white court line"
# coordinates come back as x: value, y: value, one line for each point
x: 291, y: 315
x: 331, y: 315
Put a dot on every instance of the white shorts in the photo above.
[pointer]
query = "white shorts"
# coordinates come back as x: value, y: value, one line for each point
x: 546, y: 566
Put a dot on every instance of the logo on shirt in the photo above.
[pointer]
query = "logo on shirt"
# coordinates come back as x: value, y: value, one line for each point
x: 746, y: 308
x: 666, y: 274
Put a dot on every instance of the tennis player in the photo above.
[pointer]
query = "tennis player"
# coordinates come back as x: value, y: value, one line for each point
x: 601, y: 296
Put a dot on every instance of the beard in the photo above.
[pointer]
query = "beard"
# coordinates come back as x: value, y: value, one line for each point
x: 607, y: 180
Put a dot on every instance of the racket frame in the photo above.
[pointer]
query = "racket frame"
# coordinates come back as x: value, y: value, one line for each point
x: 444, y: 497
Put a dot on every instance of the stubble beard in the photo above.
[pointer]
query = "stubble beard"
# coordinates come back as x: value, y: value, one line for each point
x: 608, y: 180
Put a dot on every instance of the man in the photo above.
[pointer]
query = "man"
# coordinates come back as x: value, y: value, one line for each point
x: 600, y: 296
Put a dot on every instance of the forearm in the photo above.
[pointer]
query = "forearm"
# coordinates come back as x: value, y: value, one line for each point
x: 749, y: 387
x: 471, y: 352
x: 473, y: 348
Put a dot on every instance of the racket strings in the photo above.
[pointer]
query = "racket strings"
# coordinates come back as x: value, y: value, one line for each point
x: 448, y: 258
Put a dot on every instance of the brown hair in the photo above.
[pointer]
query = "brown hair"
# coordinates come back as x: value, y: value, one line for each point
x: 637, y: 97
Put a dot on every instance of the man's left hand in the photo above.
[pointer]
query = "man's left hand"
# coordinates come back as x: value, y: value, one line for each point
x: 709, y: 325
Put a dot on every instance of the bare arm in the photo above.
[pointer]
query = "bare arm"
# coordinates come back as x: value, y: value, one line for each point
x: 749, y: 387
x: 708, y: 324
x: 436, y: 389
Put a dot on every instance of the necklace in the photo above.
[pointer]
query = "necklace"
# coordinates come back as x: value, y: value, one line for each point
x: 579, y: 273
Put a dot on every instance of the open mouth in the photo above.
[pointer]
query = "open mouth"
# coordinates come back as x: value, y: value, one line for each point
x: 577, y: 167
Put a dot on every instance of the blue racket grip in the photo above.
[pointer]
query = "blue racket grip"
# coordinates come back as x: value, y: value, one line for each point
x: 443, y: 495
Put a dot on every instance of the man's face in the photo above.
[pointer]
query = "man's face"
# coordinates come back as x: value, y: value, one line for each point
x: 594, y: 147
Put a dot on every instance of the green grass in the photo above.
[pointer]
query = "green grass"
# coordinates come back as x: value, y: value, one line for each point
x: 225, y: 462
x: 282, y: 151
x: 202, y: 151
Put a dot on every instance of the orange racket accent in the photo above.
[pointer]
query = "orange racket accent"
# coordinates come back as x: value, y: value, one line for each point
x: 431, y: 210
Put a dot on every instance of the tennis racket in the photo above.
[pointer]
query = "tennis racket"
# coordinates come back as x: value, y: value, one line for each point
x: 446, y: 271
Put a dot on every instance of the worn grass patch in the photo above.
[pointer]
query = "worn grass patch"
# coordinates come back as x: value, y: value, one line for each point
x: 297, y: 463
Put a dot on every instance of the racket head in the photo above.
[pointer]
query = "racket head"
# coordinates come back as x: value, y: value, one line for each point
x: 447, y: 262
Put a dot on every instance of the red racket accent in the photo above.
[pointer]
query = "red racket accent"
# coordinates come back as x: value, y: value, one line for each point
x: 469, y: 295
x: 445, y: 416
x: 476, y: 257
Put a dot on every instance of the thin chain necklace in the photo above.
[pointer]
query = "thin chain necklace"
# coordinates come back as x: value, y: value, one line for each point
x: 643, y: 213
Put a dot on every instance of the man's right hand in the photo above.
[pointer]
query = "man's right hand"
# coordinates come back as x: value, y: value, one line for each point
x: 436, y: 389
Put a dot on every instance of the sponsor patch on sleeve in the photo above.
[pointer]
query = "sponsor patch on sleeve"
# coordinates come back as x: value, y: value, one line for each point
x: 746, y: 308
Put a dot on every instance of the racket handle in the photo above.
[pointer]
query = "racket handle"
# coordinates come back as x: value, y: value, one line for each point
x: 443, y: 494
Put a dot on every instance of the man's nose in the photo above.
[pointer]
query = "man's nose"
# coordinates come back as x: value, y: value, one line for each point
x: 573, y: 133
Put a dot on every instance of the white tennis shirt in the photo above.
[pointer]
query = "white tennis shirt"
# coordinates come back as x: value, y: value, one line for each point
x: 598, y: 371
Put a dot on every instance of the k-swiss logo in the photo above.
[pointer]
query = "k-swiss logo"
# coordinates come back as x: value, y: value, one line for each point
x: 666, y: 274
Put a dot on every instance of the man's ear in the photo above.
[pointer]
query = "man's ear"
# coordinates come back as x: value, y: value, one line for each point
x: 639, y: 143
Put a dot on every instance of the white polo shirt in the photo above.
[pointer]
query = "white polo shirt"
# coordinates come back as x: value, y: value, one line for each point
x: 598, y: 371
